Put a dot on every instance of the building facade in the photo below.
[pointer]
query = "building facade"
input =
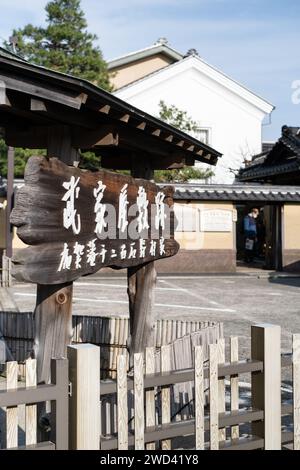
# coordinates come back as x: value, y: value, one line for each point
x: 230, y: 116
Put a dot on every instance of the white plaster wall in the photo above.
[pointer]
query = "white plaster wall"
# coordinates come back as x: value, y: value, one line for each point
x: 234, y: 122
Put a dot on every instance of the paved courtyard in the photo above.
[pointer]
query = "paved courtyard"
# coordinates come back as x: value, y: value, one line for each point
x: 237, y: 301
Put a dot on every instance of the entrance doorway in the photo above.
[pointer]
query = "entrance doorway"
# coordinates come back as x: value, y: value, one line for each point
x: 267, y: 248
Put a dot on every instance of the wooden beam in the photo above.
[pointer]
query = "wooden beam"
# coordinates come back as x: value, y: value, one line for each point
x: 105, y: 109
x: 141, y: 126
x: 125, y: 118
x: 31, y: 138
x: 4, y: 100
x: 156, y: 132
x: 103, y: 136
x: 180, y: 143
x: 37, y: 105
x: 60, y: 145
x: 60, y: 113
x: 39, y: 90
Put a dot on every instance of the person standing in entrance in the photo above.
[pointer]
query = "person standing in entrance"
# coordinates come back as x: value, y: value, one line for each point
x: 250, y: 231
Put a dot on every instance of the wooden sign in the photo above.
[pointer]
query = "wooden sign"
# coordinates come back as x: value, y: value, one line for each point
x: 77, y: 222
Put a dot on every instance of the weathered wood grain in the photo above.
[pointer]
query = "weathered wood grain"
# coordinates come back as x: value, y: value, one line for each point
x: 53, y: 325
x: 122, y: 403
x: 221, y: 386
x: 141, y: 283
x: 165, y: 366
x: 234, y: 384
x: 139, y: 418
x: 38, y: 216
x: 213, y: 396
x: 199, y: 398
x: 31, y: 410
x: 12, y: 411
x: 150, y: 394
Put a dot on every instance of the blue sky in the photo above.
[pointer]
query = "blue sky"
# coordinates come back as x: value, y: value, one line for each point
x: 256, y: 42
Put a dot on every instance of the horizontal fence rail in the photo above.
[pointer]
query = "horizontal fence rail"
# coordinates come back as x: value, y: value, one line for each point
x: 210, y: 379
x: 29, y: 396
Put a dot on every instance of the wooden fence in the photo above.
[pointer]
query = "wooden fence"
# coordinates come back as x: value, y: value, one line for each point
x: 219, y: 424
x: 110, y: 333
x: 20, y: 402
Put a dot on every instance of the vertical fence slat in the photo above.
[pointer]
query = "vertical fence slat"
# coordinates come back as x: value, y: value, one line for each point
x: 296, y: 390
x: 12, y: 411
x: 199, y: 398
x: 221, y: 386
x: 139, y: 418
x: 122, y: 403
x: 150, y: 394
x: 266, y: 385
x: 84, y: 375
x: 165, y: 394
x: 234, y: 384
x: 213, y: 394
x: 31, y: 410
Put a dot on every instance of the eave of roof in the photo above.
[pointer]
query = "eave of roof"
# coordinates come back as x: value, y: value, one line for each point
x: 211, y: 71
x: 288, y: 145
x: 190, y: 146
x: 237, y: 192
x: 260, y: 171
x: 143, y: 54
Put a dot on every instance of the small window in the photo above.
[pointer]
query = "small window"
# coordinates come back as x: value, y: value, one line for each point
x: 202, y: 134
x: 186, y: 218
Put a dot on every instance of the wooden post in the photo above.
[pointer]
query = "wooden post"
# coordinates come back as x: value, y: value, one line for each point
x: 165, y: 366
x: 141, y: 284
x: 122, y: 396
x: 53, y: 326
x: 150, y: 394
x: 199, y: 398
x: 234, y: 384
x: 53, y: 311
x: 84, y: 404
x: 139, y: 418
x: 296, y: 390
x: 266, y: 385
x: 31, y: 410
x: 11, y: 411
x: 213, y: 397
x: 221, y: 387
x: 10, y: 194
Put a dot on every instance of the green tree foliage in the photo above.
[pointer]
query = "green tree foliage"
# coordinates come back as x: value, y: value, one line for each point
x: 21, y: 157
x: 64, y: 44
x: 181, y: 120
x: 177, y: 118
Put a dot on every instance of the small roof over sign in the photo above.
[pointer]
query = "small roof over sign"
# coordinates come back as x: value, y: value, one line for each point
x: 34, y: 98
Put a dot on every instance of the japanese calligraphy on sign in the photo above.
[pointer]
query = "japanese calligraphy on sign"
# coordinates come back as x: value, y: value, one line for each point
x: 77, y: 222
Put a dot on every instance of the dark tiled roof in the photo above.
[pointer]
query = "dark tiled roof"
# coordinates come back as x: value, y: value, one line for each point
x: 267, y: 146
x: 237, y: 192
x: 283, y: 157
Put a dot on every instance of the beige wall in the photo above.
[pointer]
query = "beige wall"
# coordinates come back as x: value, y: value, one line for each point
x: 291, y: 226
x: 129, y: 73
x: 207, y: 240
